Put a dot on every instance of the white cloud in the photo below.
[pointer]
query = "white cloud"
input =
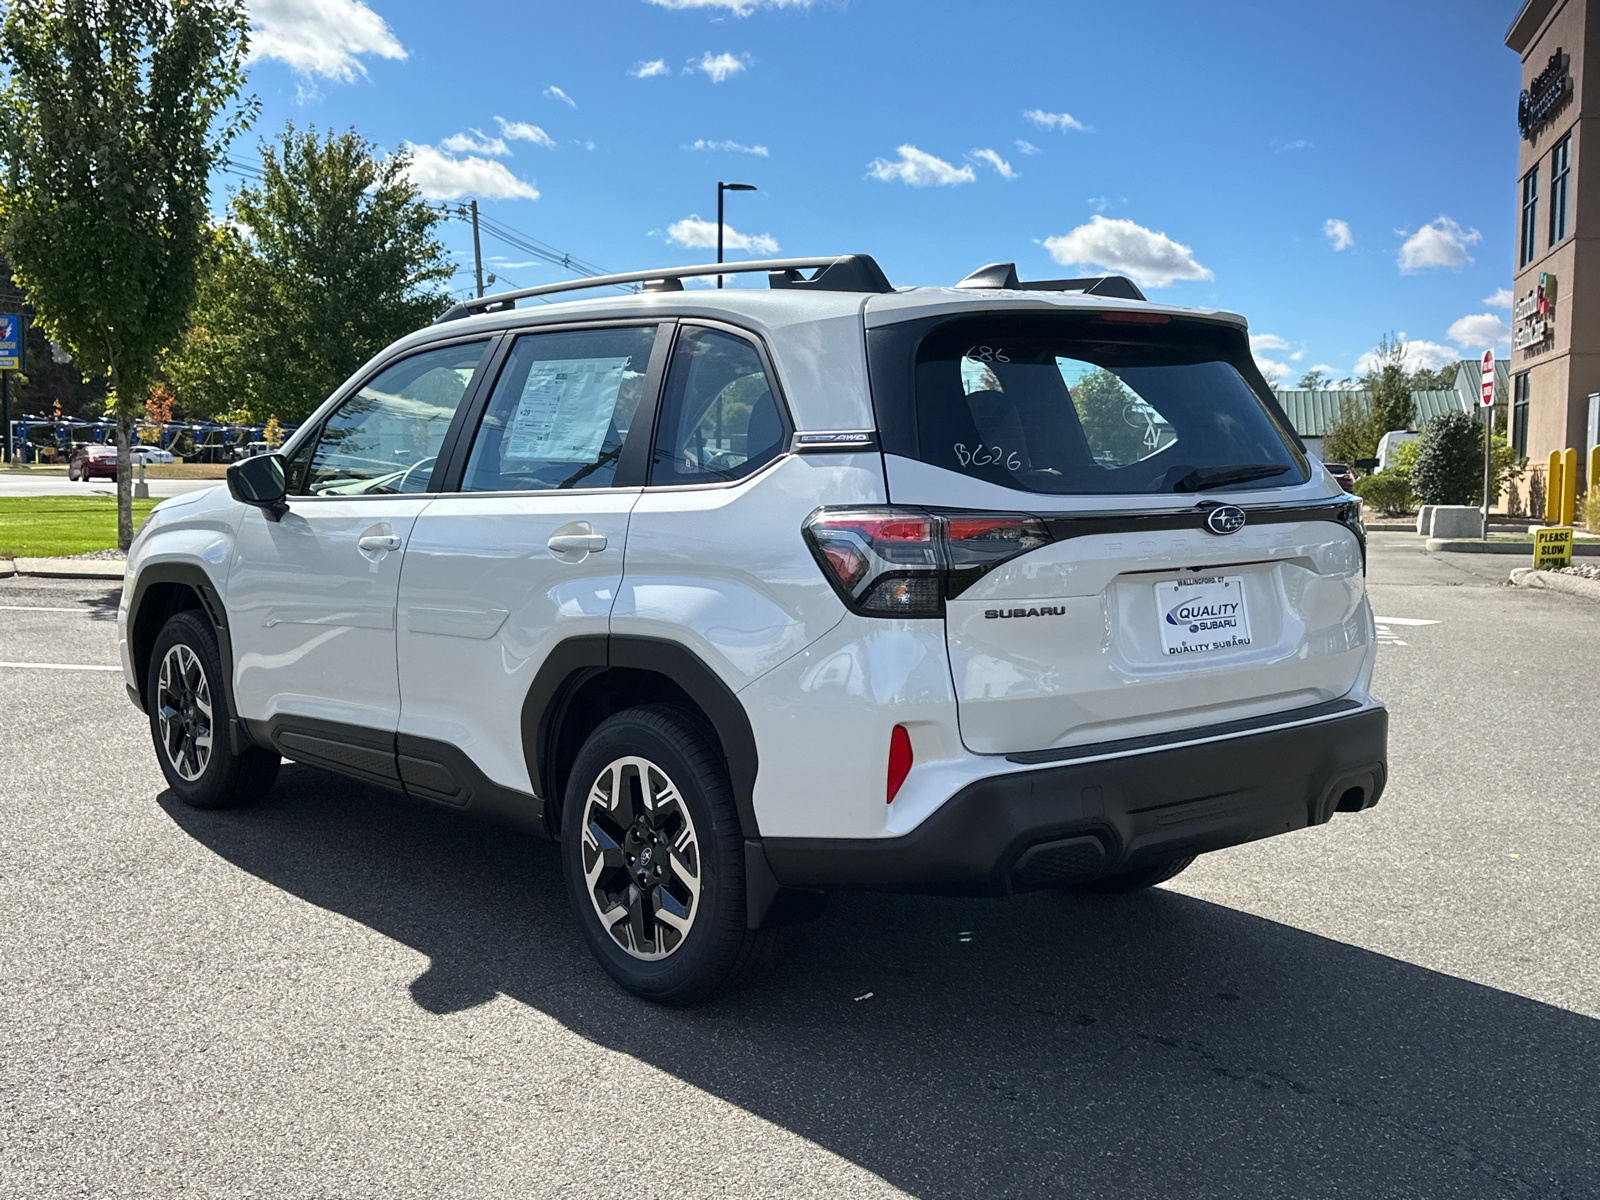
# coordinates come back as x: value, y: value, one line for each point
x: 441, y: 177
x: 1419, y: 354
x: 1027, y: 147
x: 556, y: 93
x: 1325, y: 368
x: 1440, y: 243
x: 1060, y: 122
x: 919, y: 169
x: 1502, y: 298
x: 1267, y: 341
x: 758, y: 150
x: 475, y: 142
x: 320, y: 37
x: 739, y: 8
x: 648, y: 70
x: 1150, y: 259
x: 1272, y: 370
x: 693, y: 232
x: 521, y: 131
x: 1001, y: 166
x: 1338, y: 233
x: 718, y: 67
x: 1480, y: 331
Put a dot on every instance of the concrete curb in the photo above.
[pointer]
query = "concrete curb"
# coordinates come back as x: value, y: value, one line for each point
x: 1473, y: 546
x: 1572, y: 585
x: 7, y: 568
x: 67, y: 568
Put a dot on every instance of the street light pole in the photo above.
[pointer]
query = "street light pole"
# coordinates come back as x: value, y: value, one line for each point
x: 726, y: 187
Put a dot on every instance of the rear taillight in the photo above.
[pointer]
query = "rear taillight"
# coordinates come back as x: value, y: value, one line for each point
x: 904, y: 562
x: 899, y: 760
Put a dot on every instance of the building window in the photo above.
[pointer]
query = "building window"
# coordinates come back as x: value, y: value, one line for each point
x: 1530, y: 212
x: 1560, y: 160
x: 1519, y: 414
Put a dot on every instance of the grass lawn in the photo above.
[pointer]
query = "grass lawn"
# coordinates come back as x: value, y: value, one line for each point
x: 44, y: 526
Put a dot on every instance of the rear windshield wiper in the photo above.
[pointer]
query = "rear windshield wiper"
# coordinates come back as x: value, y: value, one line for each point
x: 1204, y: 478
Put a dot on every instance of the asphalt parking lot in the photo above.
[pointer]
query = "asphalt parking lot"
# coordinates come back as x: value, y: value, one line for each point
x: 50, y: 484
x: 340, y: 993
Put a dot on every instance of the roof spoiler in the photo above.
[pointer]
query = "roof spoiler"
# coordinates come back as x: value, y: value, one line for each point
x: 1003, y: 276
x: 834, y: 273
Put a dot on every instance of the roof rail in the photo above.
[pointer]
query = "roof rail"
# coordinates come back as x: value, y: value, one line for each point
x: 1003, y: 276
x: 833, y: 273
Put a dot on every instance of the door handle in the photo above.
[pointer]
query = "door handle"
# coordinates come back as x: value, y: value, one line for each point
x: 375, y: 542
x: 567, y: 543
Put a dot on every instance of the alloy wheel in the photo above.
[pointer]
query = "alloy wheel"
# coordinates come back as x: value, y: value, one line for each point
x: 183, y: 712
x: 641, y: 858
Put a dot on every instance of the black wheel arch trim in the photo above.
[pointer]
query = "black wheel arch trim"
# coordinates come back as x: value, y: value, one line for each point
x: 195, y: 578
x: 575, y: 661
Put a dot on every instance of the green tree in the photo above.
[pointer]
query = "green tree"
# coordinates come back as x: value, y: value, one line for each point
x: 115, y: 112
x: 1351, y: 434
x: 1449, y: 466
x: 1390, y: 388
x: 1427, y: 380
x: 332, y: 257
x: 1314, y: 380
x: 1109, y: 414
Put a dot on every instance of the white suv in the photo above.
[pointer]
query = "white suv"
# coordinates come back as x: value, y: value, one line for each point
x: 747, y: 595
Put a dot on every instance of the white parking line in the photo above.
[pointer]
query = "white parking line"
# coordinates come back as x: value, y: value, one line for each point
x: 33, y: 608
x: 60, y: 666
x: 1403, y: 621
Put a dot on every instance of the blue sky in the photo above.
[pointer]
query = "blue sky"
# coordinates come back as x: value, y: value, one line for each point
x: 1334, y: 172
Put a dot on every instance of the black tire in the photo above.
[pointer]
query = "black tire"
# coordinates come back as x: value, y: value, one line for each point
x: 188, y: 715
x: 1138, y: 879
x: 716, y: 951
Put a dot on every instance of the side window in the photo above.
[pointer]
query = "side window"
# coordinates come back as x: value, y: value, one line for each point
x: 560, y: 411
x: 719, y: 419
x: 385, y: 439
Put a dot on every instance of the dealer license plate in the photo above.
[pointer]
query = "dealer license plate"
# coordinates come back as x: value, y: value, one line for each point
x: 1202, y: 615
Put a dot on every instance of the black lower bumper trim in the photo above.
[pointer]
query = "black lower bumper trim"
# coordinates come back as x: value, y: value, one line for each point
x: 1031, y: 829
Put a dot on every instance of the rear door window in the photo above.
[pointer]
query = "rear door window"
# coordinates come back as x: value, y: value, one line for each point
x: 1069, y: 406
x: 719, y: 417
x: 560, y: 411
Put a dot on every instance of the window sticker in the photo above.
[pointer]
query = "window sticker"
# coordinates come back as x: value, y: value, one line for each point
x: 565, y: 409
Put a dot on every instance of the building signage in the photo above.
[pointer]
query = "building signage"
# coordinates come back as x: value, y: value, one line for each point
x: 13, y: 343
x: 1552, y: 546
x: 1535, y: 314
x: 1548, y: 89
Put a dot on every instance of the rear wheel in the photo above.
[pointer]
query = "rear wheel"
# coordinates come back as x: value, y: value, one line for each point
x: 1139, y: 878
x: 654, y: 857
x: 189, y: 723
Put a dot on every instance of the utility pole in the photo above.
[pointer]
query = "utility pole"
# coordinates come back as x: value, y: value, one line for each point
x: 477, y: 252
x: 5, y: 411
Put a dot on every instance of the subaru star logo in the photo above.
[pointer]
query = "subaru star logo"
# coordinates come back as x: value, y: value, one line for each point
x: 1225, y: 518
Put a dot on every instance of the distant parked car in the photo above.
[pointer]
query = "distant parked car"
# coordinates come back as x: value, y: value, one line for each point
x: 92, y: 462
x: 1343, y: 474
x: 149, y: 454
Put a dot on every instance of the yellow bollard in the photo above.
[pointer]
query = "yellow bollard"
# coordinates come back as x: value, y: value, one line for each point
x: 1552, y: 489
x: 1594, y: 470
x: 1569, y: 485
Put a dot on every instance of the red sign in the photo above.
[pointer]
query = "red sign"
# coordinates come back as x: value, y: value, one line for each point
x: 1488, y: 378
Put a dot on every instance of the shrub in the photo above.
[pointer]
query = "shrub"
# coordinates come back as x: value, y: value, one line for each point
x: 1388, y: 491
x: 1404, y: 455
x: 1449, y: 467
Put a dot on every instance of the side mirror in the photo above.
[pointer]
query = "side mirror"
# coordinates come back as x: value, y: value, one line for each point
x: 259, y: 482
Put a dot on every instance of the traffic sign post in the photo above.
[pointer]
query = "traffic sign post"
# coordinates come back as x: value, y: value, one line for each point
x: 13, y: 357
x: 1486, y: 402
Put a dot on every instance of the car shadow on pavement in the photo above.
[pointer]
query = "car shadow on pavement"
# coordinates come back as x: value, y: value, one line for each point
x: 1141, y: 1046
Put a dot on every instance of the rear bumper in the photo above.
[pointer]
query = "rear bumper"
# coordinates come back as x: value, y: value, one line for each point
x: 1034, y: 829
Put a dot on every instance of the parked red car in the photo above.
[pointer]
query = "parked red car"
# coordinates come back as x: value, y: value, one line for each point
x: 92, y: 462
x: 1342, y: 475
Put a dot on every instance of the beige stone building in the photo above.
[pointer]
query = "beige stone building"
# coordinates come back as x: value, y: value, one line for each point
x: 1555, y: 356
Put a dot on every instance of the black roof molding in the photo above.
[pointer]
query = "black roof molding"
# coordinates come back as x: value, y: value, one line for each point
x: 1004, y: 277
x: 852, y: 273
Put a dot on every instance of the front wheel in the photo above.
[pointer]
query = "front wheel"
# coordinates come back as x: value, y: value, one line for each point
x: 189, y: 723
x: 654, y: 857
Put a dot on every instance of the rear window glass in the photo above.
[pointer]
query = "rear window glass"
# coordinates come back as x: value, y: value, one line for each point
x: 1070, y: 406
